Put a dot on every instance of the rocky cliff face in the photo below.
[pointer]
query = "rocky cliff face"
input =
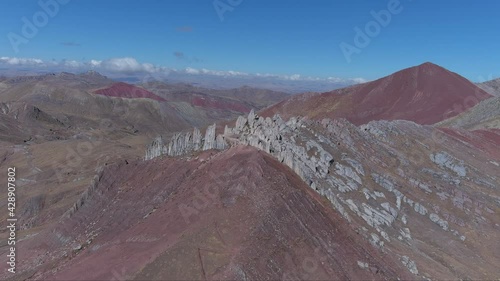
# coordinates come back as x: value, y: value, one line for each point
x: 184, y: 143
x: 412, y: 191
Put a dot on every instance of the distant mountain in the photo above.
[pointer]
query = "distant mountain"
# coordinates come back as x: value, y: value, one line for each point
x: 82, y: 100
x: 124, y: 90
x: 425, y: 94
x: 70, y: 99
x: 256, y: 97
x: 492, y: 87
x: 274, y: 83
x: 202, y: 106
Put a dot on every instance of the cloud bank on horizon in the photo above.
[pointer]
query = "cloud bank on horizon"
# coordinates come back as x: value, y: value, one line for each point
x: 137, y: 71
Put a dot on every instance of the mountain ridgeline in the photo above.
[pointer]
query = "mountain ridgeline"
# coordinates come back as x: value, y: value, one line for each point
x: 392, y: 179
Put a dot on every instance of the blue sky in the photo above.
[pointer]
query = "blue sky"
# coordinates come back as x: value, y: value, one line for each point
x: 256, y: 36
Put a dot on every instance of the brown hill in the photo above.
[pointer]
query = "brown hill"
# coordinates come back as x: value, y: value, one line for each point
x: 226, y: 216
x: 56, y: 133
x: 202, y: 106
x: 255, y: 97
x: 425, y: 94
x: 124, y: 90
x: 69, y: 98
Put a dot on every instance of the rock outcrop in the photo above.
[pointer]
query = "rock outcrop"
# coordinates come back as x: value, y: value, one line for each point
x: 397, y: 182
x: 185, y: 143
x: 155, y: 149
x: 209, y: 141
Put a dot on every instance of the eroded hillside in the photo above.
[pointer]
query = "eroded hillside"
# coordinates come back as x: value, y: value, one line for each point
x: 408, y: 189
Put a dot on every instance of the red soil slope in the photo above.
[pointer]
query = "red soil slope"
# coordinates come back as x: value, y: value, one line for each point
x: 487, y: 140
x: 124, y: 90
x: 425, y: 94
x: 235, y: 215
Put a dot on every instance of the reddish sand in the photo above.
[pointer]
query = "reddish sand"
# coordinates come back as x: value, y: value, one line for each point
x: 425, y: 94
x: 124, y: 90
x: 486, y: 140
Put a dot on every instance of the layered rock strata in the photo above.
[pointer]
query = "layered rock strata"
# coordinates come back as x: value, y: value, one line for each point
x: 185, y: 143
x: 398, y: 183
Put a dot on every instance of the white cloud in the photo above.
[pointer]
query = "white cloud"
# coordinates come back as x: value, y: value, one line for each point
x: 21, y: 61
x: 125, y: 65
x: 236, y: 73
x: 294, y: 77
x: 190, y: 70
x: 359, y: 80
x: 94, y: 63
x: 334, y: 79
x: 119, y: 65
x: 348, y: 80
x: 129, y: 65
x: 230, y: 73
x: 72, y: 64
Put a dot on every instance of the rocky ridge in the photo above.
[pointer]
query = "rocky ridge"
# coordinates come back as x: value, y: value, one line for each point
x: 492, y: 87
x: 395, y: 182
x: 184, y: 143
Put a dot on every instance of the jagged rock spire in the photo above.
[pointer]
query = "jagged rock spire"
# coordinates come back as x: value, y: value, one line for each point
x: 209, y: 138
x: 185, y: 143
x: 196, y: 139
x: 251, y: 118
x: 156, y: 149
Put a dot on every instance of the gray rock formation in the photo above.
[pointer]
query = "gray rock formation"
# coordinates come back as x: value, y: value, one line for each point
x: 156, y: 149
x: 220, y: 143
x: 196, y: 139
x: 412, y: 267
x: 443, y: 159
x: 363, y: 265
x: 184, y: 143
x: 389, y: 179
x: 209, y: 141
x: 420, y: 209
x: 439, y: 221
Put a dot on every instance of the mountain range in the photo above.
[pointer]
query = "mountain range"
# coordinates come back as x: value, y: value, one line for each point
x: 396, y: 178
x: 425, y: 94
